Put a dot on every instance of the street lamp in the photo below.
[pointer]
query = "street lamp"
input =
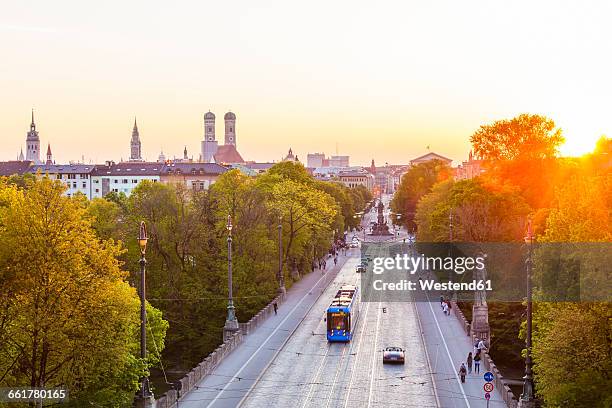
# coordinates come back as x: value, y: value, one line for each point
x: 527, y: 398
x: 231, y: 323
x: 450, y: 246
x: 279, y: 274
x: 145, y: 395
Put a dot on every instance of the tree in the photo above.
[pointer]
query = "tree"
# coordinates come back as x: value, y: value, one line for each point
x: 67, y: 315
x: 417, y: 182
x: 526, y: 136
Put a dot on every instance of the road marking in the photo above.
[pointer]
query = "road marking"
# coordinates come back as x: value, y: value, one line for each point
x: 314, y: 379
x: 265, y: 341
x: 449, y: 355
x: 433, y: 381
x: 364, y: 317
x: 338, y: 369
x: 373, y: 371
x: 291, y: 334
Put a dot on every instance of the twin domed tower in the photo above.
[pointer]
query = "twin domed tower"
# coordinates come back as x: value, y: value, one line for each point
x: 210, y: 146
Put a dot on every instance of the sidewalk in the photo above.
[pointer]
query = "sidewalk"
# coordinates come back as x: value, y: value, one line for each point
x: 448, y: 345
x: 233, y: 377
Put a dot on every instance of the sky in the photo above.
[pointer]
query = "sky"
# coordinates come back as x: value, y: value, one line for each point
x: 383, y: 80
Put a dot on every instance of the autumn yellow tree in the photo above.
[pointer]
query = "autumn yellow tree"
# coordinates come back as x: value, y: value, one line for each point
x: 68, y: 318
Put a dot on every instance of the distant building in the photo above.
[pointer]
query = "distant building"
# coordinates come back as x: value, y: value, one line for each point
x: 211, y: 151
x: 122, y: 177
x: 339, y: 161
x: 357, y: 178
x: 12, y: 168
x: 314, y: 160
x: 135, y: 148
x: 76, y: 177
x: 470, y: 168
x: 259, y: 168
x: 291, y: 157
x: 195, y: 176
x: 317, y: 160
x: 33, y: 143
x: 430, y: 156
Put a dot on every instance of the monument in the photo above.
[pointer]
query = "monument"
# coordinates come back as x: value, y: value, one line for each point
x: 380, y: 227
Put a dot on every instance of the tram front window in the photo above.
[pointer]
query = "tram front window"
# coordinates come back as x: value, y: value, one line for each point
x: 336, y: 321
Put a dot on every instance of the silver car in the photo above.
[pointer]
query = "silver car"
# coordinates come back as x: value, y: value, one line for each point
x: 393, y: 355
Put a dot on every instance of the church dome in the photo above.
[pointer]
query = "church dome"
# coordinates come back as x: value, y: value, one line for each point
x: 209, y: 115
x: 230, y: 116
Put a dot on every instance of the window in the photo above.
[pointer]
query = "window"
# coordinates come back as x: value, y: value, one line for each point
x: 210, y: 129
x: 115, y: 181
x: 74, y: 184
x: 72, y: 176
x: 96, y: 181
x: 58, y: 176
x: 115, y: 190
x: 97, y: 190
x: 84, y: 185
x: 134, y: 181
x: 125, y: 181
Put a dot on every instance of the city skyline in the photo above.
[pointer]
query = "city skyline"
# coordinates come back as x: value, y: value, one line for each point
x: 381, y: 81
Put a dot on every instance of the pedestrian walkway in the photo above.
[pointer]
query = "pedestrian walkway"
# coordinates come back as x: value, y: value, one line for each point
x: 448, y: 346
x: 232, y: 379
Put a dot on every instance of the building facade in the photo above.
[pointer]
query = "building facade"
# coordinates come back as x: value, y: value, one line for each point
x: 76, y: 177
x: 195, y: 176
x: 212, y: 152
x: 122, y: 177
x: 353, y: 179
x: 339, y: 161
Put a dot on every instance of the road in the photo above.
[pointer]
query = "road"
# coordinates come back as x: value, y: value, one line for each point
x: 288, y: 362
x: 310, y: 372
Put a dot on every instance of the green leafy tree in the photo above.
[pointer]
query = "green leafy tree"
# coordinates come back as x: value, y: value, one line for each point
x: 417, y: 182
x: 68, y: 318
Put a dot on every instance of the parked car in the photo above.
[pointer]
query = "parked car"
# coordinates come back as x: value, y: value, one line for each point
x: 393, y: 355
x: 361, y: 269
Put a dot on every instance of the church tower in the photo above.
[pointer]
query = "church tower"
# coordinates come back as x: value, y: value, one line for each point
x: 33, y: 143
x: 209, y: 144
x: 49, y: 155
x: 230, y: 128
x: 135, y: 153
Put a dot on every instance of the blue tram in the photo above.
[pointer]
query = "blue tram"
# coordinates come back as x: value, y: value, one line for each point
x: 343, y: 314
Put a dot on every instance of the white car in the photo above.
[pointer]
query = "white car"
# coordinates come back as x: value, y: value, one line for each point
x: 393, y: 355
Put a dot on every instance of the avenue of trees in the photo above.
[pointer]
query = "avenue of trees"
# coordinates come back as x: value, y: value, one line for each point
x: 69, y: 310
x: 568, y: 200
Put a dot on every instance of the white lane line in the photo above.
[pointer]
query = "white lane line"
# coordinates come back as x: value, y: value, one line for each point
x: 264, y: 343
x: 338, y: 369
x: 363, y: 318
x: 373, y: 370
x: 282, y: 346
x: 433, y: 381
x: 312, y: 383
x: 467, y: 403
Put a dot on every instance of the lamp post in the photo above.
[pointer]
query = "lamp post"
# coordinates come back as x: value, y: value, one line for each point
x: 450, y: 246
x: 145, y: 396
x: 279, y: 274
x: 527, y: 399
x: 231, y: 323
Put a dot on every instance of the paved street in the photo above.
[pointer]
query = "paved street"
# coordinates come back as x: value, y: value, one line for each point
x: 288, y: 361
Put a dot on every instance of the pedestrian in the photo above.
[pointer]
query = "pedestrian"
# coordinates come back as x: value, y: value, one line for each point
x: 275, y: 308
x: 462, y: 372
x: 445, y: 309
x: 441, y: 301
x: 477, y: 362
x: 336, y: 261
x: 476, y: 341
x: 469, y: 362
x: 450, y: 306
x: 481, y: 346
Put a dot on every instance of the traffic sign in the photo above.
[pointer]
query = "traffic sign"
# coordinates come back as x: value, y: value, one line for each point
x: 488, y: 376
x: 487, y: 396
x: 488, y: 387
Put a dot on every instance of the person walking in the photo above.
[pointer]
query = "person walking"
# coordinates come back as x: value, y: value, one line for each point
x: 442, y: 301
x: 476, y: 341
x: 469, y: 362
x: 462, y: 372
x: 275, y: 308
x: 336, y: 261
x: 445, y: 309
x: 477, y: 363
x: 481, y: 346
